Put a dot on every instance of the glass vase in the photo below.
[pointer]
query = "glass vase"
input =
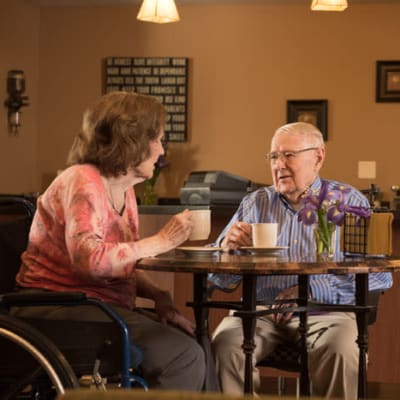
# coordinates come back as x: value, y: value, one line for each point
x: 325, y: 240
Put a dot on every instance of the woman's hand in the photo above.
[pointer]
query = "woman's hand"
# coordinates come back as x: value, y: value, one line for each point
x: 237, y: 236
x: 167, y: 312
x: 171, y: 235
x: 177, y: 229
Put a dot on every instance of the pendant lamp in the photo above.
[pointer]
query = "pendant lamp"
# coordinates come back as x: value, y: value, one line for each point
x: 158, y: 11
x: 329, y: 5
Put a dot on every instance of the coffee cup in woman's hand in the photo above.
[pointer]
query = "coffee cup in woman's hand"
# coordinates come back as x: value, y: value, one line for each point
x: 201, y: 220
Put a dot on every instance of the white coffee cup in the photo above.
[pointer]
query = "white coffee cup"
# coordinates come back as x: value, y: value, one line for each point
x: 264, y: 234
x: 201, y: 224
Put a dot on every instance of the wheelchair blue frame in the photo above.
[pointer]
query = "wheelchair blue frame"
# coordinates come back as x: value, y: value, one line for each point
x: 42, y: 298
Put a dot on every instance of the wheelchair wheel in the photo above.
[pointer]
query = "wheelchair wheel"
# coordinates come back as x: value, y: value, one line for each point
x: 31, y: 365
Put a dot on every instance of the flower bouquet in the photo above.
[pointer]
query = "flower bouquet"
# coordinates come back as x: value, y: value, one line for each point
x: 326, y: 209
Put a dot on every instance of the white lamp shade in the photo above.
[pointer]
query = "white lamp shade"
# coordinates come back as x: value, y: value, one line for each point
x: 159, y: 11
x: 329, y: 5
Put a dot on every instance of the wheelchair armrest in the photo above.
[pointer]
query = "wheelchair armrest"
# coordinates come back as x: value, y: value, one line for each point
x: 33, y: 298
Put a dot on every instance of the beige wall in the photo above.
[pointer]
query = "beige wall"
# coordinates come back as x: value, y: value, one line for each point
x: 19, y: 47
x: 246, y: 60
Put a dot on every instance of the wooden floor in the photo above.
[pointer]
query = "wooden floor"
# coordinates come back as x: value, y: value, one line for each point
x: 376, y: 391
x: 384, y: 391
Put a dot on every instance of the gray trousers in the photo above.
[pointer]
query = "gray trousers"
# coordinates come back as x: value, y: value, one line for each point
x: 172, y: 359
x: 332, y: 352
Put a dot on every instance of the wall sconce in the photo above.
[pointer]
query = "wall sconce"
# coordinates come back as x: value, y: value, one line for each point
x: 158, y: 11
x: 15, y: 89
x: 329, y: 5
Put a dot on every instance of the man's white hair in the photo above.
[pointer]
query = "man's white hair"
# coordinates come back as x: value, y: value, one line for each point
x: 302, y: 129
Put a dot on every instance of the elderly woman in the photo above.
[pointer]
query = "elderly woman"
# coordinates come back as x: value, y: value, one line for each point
x: 85, y: 236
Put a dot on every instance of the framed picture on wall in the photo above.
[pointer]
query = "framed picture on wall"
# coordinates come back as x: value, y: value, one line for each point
x: 311, y: 111
x: 163, y: 77
x: 387, y: 81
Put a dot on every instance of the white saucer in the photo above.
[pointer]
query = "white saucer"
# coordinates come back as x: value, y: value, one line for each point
x: 198, y: 250
x: 263, y: 250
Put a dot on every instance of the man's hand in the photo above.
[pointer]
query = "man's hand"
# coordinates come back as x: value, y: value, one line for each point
x: 237, y: 236
x: 288, y: 293
x: 167, y: 312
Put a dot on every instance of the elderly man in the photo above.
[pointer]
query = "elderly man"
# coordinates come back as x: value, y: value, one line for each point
x: 296, y: 157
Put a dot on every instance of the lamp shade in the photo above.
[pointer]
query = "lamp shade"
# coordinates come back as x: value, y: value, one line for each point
x: 159, y: 11
x: 328, y: 5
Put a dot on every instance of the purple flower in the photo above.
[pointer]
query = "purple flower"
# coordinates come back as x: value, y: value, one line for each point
x: 328, y: 204
x: 323, y: 194
x: 312, y: 202
x: 326, y: 210
x: 308, y: 214
x: 338, y: 208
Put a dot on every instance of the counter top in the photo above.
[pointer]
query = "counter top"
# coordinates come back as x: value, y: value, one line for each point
x: 171, y: 209
x: 168, y: 209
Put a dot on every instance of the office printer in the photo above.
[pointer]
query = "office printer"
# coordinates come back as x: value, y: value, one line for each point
x: 214, y: 187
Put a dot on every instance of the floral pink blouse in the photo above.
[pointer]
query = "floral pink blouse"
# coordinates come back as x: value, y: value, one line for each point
x: 78, y: 242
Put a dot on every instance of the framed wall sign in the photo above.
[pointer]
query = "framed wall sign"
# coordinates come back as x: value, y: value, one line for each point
x: 311, y: 111
x: 387, y: 81
x: 165, y: 78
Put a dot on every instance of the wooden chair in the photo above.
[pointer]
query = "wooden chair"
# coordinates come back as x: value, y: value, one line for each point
x: 286, y: 356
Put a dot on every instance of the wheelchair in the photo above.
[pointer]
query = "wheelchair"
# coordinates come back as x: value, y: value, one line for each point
x: 41, y: 358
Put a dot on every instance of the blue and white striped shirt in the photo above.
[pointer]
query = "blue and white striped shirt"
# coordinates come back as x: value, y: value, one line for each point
x: 267, y: 205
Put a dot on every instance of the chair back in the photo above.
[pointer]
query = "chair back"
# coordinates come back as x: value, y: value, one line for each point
x: 367, y: 236
x: 16, y: 214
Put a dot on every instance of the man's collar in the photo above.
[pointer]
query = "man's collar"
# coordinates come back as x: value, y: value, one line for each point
x: 316, y: 185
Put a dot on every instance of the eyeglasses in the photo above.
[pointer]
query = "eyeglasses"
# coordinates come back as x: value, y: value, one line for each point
x: 286, y: 155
